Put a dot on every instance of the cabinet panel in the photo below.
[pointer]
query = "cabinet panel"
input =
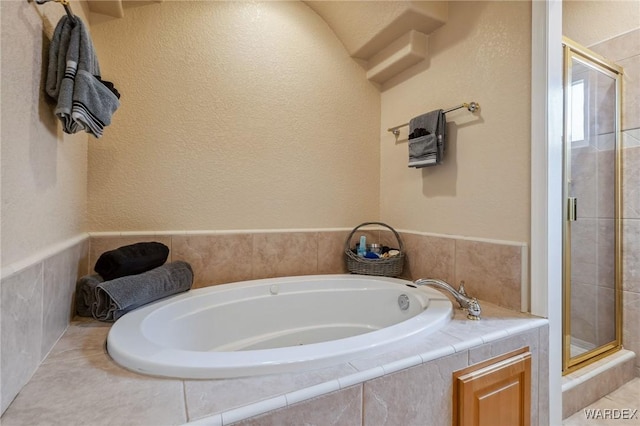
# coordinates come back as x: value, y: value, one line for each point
x: 496, y: 392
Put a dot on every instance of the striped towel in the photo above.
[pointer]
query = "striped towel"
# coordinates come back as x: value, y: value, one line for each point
x: 84, y: 102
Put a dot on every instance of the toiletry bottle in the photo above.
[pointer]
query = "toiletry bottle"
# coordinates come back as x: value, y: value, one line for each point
x: 362, y: 248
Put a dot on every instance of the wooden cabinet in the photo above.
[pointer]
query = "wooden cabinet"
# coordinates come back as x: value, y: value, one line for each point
x: 496, y: 392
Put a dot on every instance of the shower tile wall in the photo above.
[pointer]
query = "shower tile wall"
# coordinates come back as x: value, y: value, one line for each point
x: 592, y: 166
x: 625, y: 51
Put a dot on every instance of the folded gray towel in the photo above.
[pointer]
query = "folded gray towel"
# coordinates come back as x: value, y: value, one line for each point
x: 429, y: 149
x: 423, y: 151
x: 83, y: 100
x: 85, y: 294
x: 109, y: 300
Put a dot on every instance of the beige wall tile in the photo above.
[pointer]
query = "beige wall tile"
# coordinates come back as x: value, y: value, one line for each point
x: 491, y: 272
x: 59, y: 283
x: 215, y: 259
x: 594, y: 388
x: 630, y: 179
x: 343, y: 407
x: 605, y: 316
x: 584, y: 251
x: 419, y: 395
x: 388, y: 238
x: 21, y: 330
x: 631, y: 92
x: 631, y: 328
x: 621, y: 47
x: 606, y: 251
x: 603, y: 95
x: 331, y: 258
x: 605, y: 188
x: 429, y: 257
x: 631, y: 255
x: 583, y: 307
x: 583, y: 180
x: 206, y: 397
x: 281, y: 254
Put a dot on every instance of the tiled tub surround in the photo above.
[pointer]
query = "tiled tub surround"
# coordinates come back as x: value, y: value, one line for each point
x: 495, y: 271
x: 36, y: 308
x: 79, y: 384
x: 37, y: 293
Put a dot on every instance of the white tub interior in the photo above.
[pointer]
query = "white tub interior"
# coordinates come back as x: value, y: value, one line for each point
x: 273, y: 325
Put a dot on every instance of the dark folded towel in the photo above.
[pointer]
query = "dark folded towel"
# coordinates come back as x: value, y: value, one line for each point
x: 132, y: 259
x: 85, y: 294
x: 427, y: 139
x: 109, y: 300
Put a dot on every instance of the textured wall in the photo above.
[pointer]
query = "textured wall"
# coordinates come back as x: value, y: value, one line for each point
x: 483, y: 189
x: 44, y: 172
x: 590, y: 22
x: 234, y: 115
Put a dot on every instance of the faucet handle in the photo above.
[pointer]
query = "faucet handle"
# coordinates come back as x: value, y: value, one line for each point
x: 473, y: 310
x: 461, y: 289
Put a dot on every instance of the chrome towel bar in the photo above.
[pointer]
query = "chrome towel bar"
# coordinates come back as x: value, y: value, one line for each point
x: 472, y: 107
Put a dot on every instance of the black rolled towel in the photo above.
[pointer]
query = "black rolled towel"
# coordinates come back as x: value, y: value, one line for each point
x: 109, y: 300
x: 132, y: 259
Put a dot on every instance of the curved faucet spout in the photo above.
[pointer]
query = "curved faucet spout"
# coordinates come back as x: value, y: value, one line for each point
x: 470, y: 304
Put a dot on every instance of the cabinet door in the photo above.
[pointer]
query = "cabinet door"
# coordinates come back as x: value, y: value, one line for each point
x: 494, y: 393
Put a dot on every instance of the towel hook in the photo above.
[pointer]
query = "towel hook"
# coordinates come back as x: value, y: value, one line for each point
x: 65, y: 4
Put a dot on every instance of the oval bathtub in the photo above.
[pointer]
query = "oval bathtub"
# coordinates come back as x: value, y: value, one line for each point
x: 273, y: 325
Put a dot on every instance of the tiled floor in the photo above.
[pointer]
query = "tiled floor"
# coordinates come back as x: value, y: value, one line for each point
x: 620, y: 407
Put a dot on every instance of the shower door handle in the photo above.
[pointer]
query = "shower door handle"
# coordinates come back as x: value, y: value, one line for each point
x: 572, y: 209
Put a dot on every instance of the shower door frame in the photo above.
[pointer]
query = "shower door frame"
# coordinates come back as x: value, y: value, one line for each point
x: 573, y: 50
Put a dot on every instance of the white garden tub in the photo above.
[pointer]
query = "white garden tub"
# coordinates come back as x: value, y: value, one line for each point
x: 273, y: 325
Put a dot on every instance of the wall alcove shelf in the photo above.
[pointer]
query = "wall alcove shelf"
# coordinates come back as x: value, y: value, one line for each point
x: 390, y: 36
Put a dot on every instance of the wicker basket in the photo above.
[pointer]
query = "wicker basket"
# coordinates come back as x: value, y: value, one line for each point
x: 389, y: 267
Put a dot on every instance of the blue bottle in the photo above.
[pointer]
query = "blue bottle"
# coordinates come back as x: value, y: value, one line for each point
x: 362, y: 248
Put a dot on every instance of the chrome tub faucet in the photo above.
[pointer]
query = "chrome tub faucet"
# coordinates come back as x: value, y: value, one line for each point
x: 470, y: 304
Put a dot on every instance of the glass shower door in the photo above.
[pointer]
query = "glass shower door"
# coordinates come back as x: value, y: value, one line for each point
x: 592, y: 227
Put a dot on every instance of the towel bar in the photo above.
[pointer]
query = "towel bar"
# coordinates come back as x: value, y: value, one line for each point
x: 472, y: 107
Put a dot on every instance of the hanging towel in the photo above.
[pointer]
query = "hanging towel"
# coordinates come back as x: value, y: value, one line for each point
x: 427, y: 139
x: 84, y: 101
x: 109, y: 300
x: 130, y: 260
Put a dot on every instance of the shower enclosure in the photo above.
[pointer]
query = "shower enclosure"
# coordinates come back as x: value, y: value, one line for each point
x: 592, y: 226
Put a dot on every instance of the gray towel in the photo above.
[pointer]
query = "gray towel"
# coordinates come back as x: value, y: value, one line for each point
x: 58, y: 57
x: 83, y: 101
x: 109, y: 300
x: 427, y: 150
x: 85, y: 293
